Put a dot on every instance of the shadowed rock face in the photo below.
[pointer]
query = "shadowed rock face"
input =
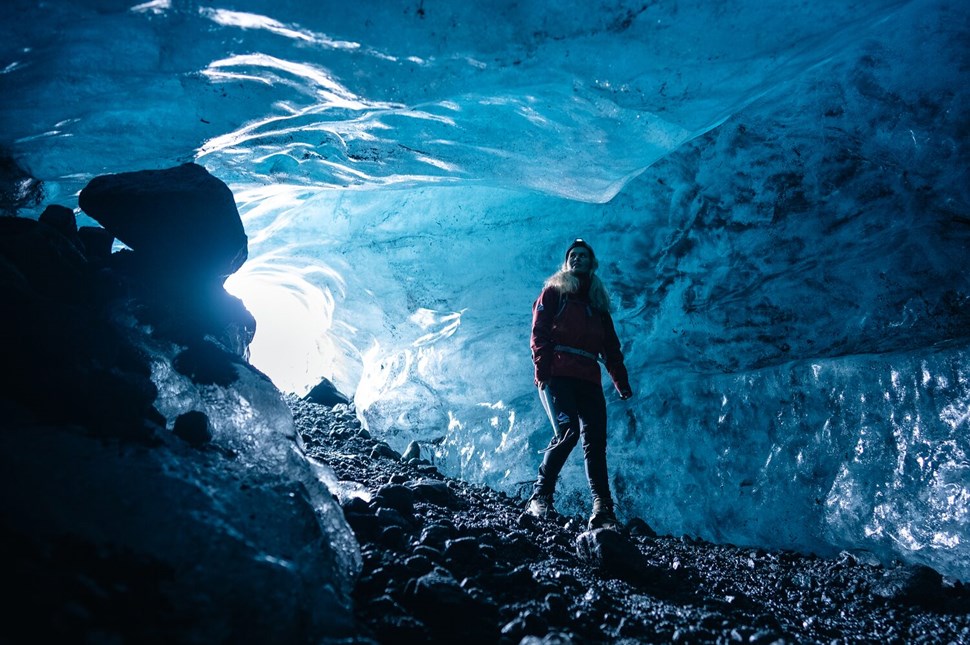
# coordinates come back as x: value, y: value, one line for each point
x: 141, y: 498
x: 64, y: 359
x: 182, y: 222
x: 185, y: 237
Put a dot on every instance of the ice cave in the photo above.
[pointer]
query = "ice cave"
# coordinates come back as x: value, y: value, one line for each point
x: 778, y: 193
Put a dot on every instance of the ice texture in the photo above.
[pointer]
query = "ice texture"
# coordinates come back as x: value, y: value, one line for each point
x: 251, y: 424
x: 777, y: 192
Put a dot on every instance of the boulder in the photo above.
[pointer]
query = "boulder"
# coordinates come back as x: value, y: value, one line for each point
x: 451, y: 613
x: 436, y: 492
x: 60, y: 218
x: 193, y: 427
x: 179, y: 221
x: 910, y: 584
x: 95, y: 242
x: 396, y: 496
x: 185, y: 237
x: 326, y: 393
x: 614, y: 556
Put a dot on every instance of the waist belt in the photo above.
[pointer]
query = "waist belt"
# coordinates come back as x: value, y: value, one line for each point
x: 579, y: 352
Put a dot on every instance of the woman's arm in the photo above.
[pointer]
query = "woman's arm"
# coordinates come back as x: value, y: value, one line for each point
x: 614, y: 358
x: 543, y: 316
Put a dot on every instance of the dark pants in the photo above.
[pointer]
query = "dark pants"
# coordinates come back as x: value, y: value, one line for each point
x: 576, y: 409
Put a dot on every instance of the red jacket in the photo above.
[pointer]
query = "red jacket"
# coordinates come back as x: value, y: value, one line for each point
x: 572, y: 322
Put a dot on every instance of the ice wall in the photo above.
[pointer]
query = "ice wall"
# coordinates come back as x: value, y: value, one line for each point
x: 778, y: 195
x: 397, y: 93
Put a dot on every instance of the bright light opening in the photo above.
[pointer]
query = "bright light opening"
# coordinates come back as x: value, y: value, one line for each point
x: 292, y: 345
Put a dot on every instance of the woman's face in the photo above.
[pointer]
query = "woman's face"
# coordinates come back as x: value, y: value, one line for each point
x: 579, y: 260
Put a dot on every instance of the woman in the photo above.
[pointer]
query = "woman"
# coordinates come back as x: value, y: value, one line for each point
x: 572, y: 330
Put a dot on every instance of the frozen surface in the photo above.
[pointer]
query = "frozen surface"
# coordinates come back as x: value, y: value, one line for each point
x: 778, y: 193
x: 251, y: 422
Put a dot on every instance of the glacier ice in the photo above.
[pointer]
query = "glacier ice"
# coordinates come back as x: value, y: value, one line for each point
x: 250, y: 421
x: 778, y: 192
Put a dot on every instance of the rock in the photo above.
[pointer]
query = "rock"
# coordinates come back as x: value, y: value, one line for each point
x: 397, y: 497
x: 436, y: 535
x: 156, y: 545
x: 431, y: 553
x: 639, y: 528
x: 365, y: 526
x: 436, y: 492
x: 206, y: 364
x: 193, y: 427
x: 382, y: 450
x: 390, y: 517
x: 356, y: 504
x: 464, y: 550
x: 520, y: 578
x: 199, y: 313
x: 426, y: 469
x: 552, y: 638
x: 619, y: 588
x: 520, y: 545
x: 525, y: 624
x: 61, y: 219
x: 556, y: 605
x: 449, y: 611
x: 909, y: 584
x: 43, y: 261
x: 392, y: 624
x: 393, y: 537
x: 413, y: 451
x: 185, y: 237
x: 613, y: 555
x: 526, y: 521
x: 326, y: 393
x: 180, y: 221
x: 96, y: 243
x: 419, y: 564
x: 64, y: 360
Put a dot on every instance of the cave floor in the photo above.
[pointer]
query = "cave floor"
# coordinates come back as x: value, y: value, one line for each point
x: 449, y: 561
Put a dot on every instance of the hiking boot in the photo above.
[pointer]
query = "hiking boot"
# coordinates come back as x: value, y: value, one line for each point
x: 603, y: 517
x: 540, y: 506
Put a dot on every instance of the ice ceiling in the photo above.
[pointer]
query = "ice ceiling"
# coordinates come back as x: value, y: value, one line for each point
x: 777, y: 191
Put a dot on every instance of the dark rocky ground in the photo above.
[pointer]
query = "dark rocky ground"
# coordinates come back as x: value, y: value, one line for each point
x: 448, y: 561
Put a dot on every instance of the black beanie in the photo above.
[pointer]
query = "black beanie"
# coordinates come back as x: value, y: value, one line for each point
x: 580, y: 242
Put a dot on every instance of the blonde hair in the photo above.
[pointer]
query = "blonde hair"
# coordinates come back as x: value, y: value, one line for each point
x: 567, y: 282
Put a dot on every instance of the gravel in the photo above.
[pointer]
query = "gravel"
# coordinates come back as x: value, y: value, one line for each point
x: 448, y: 561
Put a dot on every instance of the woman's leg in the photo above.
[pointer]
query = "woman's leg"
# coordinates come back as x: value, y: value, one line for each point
x: 591, y: 405
x: 559, y: 399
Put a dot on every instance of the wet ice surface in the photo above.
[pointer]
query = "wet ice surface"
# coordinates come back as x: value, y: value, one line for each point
x: 446, y: 560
